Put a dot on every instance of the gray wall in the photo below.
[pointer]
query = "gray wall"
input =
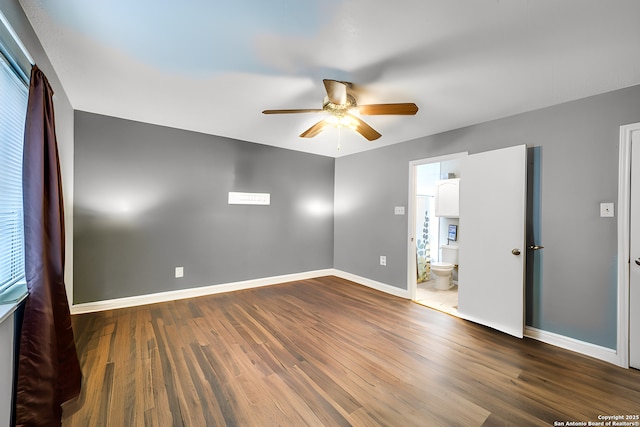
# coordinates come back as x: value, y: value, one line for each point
x: 150, y: 198
x: 575, y: 150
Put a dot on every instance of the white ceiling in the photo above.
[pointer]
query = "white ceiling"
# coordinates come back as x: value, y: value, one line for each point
x: 213, y: 66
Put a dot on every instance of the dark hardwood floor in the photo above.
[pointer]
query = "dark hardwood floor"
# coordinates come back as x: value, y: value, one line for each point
x: 328, y: 352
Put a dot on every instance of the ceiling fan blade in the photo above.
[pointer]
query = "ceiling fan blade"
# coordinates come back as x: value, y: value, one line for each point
x: 405, y: 109
x: 303, y: 110
x: 364, y: 129
x: 336, y: 91
x: 314, y: 130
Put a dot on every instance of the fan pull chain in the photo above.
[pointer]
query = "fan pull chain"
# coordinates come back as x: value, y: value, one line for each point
x: 339, y: 127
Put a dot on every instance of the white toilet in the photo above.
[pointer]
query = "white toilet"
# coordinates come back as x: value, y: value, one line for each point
x: 442, y: 270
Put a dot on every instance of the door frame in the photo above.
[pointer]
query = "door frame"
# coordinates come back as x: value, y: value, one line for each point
x: 412, y: 276
x: 624, y: 222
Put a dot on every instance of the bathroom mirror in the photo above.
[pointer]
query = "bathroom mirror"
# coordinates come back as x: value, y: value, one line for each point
x: 453, y: 232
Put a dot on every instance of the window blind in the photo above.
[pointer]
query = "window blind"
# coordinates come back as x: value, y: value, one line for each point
x: 13, y: 107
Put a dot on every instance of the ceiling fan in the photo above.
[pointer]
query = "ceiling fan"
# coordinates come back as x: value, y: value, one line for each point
x: 341, y: 106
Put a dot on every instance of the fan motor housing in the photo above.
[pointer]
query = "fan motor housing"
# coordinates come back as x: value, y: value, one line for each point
x: 339, y: 109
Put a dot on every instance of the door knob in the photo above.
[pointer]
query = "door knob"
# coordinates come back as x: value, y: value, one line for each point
x: 535, y: 247
x: 516, y: 251
x: 638, y: 261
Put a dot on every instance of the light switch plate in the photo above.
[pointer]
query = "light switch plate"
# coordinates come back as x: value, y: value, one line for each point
x: 398, y: 210
x: 606, y: 210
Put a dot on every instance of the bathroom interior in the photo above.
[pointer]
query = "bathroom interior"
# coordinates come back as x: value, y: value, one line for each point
x: 437, y: 234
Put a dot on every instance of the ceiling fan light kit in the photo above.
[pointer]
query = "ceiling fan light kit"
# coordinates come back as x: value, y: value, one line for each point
x: 341, y: 106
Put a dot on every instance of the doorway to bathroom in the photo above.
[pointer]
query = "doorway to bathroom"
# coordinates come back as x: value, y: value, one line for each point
x: 435, y: 226
x: 491, y: 210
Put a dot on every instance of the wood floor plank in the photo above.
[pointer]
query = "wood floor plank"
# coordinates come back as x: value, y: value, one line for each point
x: 327, y: 352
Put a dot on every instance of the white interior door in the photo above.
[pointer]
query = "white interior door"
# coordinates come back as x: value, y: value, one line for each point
x: 634, y: 254
x: 492, y: 244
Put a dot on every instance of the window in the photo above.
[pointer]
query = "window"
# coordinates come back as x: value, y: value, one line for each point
x: 13, y: 93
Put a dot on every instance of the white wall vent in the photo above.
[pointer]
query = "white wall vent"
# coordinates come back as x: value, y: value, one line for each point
x: 249, y: 198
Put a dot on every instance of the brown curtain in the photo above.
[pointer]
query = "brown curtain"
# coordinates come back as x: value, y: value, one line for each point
x: 48, y: 369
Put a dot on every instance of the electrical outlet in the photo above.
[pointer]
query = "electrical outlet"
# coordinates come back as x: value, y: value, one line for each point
x: 179, y: 272
x: 606, y: 210
x: 398, y: 210
x: 383, y: 260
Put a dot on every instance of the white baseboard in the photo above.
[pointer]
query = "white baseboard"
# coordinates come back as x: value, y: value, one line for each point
x: 585, y: 348
x: 383, y: 287
x: 582, y: 347
x: 194, y: 292
x: 134, y: 301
